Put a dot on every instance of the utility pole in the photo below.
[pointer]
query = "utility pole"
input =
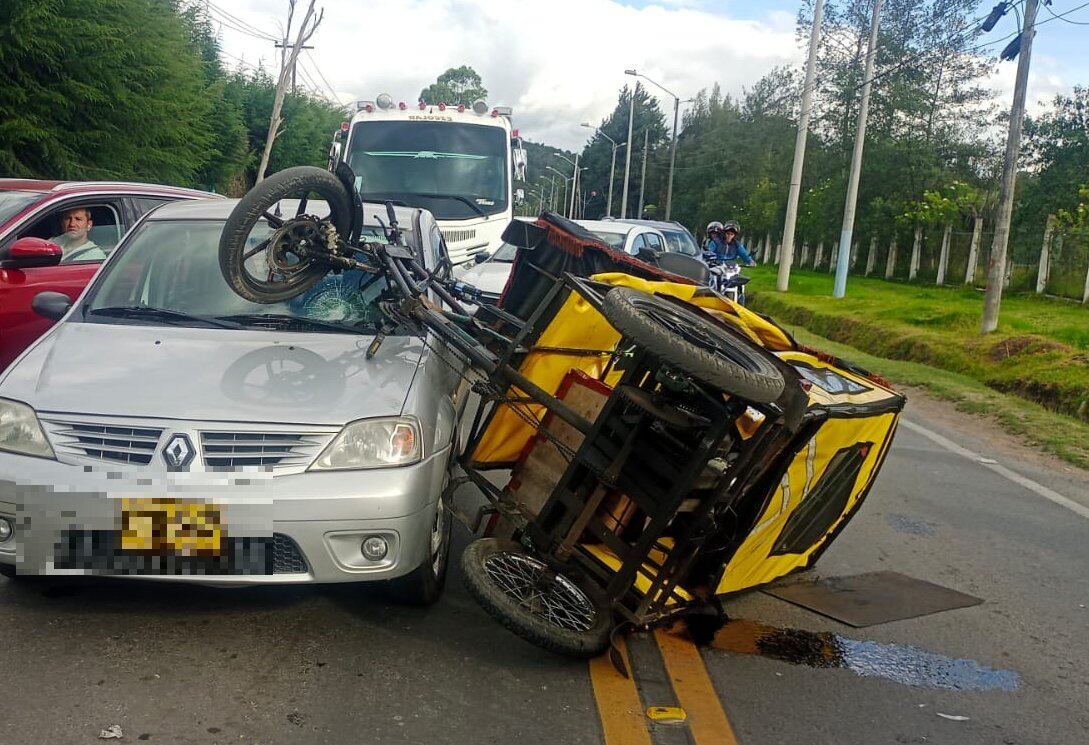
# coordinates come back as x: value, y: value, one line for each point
x: 786, y: 256
x: 643, y: 178
x: 309, y: 25
x: 843, y: 261
x: 996, y: 263
x: 283, y: 46
x: 627, y: 156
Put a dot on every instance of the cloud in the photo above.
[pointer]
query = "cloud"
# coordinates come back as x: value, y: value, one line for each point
x: 558, y: 63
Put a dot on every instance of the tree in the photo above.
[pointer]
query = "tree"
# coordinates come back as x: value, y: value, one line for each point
x: 101, y: 89
x: 597, y: 156
x: 458, y: 85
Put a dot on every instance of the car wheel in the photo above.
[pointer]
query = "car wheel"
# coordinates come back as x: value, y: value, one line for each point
x: 424, y: 584
x: 546, y: 609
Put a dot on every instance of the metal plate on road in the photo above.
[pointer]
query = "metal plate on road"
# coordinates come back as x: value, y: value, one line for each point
x: 869, y: 599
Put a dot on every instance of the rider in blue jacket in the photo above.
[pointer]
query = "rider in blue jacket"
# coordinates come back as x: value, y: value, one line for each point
x: 722, y: 241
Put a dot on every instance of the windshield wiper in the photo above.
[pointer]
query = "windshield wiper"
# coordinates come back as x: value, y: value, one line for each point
x: 432, y: 195
x: 162, y: 315
x: 284, y: 322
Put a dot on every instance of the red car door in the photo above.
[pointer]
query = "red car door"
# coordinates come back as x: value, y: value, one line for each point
x: 19, y: 325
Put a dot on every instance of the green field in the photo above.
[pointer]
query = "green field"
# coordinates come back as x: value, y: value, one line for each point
x: 1040, y: 352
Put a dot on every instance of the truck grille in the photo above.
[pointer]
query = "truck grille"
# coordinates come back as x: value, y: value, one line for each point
x: 113, y: 442
x: 228, y: 450
x: 459, y: 235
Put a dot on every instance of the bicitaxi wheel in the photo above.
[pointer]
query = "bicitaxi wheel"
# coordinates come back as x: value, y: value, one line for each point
x: 689, y: 339
x: 288, y: 260
x: 544, y: 608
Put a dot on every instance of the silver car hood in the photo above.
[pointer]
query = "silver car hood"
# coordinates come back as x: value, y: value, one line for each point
x: 490, y: 276
x: 213, y: 374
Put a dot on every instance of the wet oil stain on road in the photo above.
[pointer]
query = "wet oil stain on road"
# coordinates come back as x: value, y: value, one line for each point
x: 897, y: 662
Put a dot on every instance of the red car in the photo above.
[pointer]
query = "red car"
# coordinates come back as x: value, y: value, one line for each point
x: 30, y: 214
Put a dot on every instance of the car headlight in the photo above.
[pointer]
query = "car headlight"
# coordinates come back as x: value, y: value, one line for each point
x: 372, y: 443
x: 21, y: 432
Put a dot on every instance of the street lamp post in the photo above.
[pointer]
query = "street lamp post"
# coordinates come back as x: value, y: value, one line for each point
x: 673, y: 145
x: 627, y: 155
x: 612, y: 167
x: 574, y: 184
x: 565, y: 178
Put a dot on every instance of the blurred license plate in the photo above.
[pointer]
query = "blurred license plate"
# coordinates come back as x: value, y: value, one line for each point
x: 172, y: 526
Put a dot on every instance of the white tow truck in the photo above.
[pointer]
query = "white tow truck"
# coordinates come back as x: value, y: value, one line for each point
x: 458, y: 162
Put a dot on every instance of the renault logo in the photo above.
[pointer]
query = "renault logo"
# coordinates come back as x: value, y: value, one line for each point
x: 178, y: 452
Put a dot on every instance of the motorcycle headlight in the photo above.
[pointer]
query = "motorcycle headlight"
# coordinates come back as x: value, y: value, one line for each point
x: 21, y: 432
x: 372, y: 443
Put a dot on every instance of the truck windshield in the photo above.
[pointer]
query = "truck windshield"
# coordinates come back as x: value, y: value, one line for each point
x: 457, y: 171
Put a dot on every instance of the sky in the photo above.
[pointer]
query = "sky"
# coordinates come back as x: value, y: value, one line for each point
x: 559, y: 63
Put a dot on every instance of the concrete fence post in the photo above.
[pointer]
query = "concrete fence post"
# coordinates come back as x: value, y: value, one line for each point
x: 805, y: 253
x: 943, y: 259
x: 778, y: 252
x: 1045, y: 256
x: 819, y: 256
x: 871, y: 257
x: 916, y: 247
x: 833, y: 257
x: 1085, y: 292
x: 890, y: 260
x: 973, y: 251
x: 854, y: 255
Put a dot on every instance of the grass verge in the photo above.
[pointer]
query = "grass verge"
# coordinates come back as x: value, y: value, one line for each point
x: 1063, y: 436
x: 1040, y: 351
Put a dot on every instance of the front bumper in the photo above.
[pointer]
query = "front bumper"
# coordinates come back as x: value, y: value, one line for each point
x: 314, y: 522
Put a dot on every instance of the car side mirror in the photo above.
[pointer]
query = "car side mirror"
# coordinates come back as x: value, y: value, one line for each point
x: 31, y: 252
x: 481, y: 257
x: 51, y: 305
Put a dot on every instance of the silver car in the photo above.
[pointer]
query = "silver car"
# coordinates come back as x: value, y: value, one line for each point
x: 168, y: 429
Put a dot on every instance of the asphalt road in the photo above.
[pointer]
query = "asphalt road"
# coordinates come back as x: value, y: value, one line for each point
x: 194, y: 665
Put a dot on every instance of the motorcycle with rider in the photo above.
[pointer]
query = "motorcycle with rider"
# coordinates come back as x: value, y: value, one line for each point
x: 724, y: 252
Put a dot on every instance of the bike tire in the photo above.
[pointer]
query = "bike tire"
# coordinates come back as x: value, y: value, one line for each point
x: 518, y: 618
x: 731, y: 367
x: 249, y: 210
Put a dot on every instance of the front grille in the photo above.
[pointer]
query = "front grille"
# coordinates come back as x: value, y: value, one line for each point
x: 229, y: 450
x: 286, y: 556
x: 457, y: 236
x: 113, y: 442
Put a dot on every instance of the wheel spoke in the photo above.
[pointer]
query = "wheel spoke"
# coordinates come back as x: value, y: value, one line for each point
x: 273, y: 220
x: 302, y: 205
x: 560, y: 602
x: 262, y: 246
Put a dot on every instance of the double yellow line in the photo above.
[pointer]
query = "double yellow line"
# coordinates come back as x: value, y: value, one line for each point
x: 622, y: 713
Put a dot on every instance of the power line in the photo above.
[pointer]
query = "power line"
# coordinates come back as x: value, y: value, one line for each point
x: 234, y: 22
x: 317, y: 69
x: 1062, y: 16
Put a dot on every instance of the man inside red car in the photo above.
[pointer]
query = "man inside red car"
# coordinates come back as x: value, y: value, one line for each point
x: 76, y: 224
